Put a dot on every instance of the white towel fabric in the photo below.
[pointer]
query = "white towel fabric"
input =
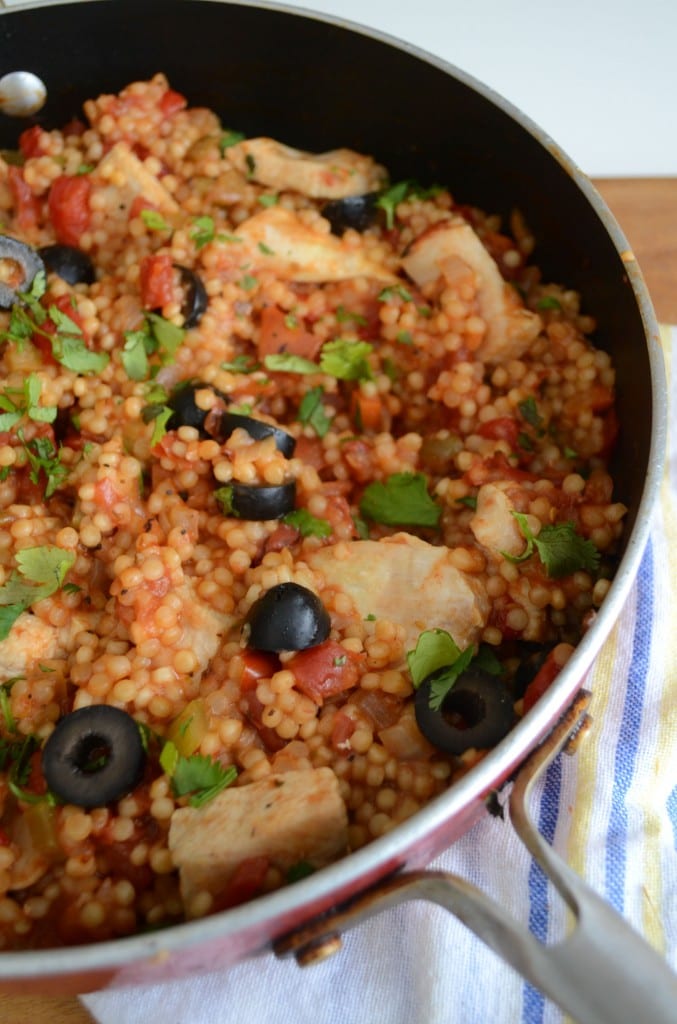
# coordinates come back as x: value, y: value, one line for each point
x: 610, y: 811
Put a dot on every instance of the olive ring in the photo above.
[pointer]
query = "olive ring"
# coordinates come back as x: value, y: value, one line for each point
x: 483, y: 708
x: 94, y: 756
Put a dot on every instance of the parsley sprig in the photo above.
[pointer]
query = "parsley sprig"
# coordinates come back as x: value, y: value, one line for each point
x: 401, y: 500
x: 340, y: 358
x: 437, y: 654
x: 197, y: 776
x: 19, y: 402
x: 157, y: 336
x: 41, y: 571
x: 29, y: 317
x: 560, y: 548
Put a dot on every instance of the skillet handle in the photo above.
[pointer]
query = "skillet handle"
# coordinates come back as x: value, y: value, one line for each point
x: 602, y: 973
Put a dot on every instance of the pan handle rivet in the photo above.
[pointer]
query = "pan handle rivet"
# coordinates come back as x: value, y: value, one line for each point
x: 316, y: 952
x: 21, y: 93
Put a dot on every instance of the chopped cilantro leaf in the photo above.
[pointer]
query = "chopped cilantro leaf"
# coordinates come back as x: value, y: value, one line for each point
x: 41, y: 572
x: 469, y: 500
x: 19, y: 402
x: 44, y: 457
x: 228, y: 139
x: 265, y: 249
x: 561, y: 549
x: 346, y: 360
x: 72, y: 353
x: 160, y: 425
x: 157, y: 336
x: 437, y: 654
x: 248, y: 283
x: 402, y: 500
x: 302, y: 869
x: 224, y: 497
x: 404, y: 338
x: 394, y: 289
x: 286, y: 362
x: 529, y: 412
x: 548, y: 302
x: 267, y: 200
x: 134, y: 356
x: 154, y: 220
x: 203, y: 231
x: 435, y: 649
x: 251, y: 166
x: 308, y: 525
x: 344, y: 316
x: 197, y: 776
x: 311, y: 411
x: 241, y: 364
x: 389, y: 200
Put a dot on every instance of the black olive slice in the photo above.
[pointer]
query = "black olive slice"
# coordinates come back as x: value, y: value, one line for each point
x: 94, y: 756
x: 196, y: 299
x: 287, y: 617
x: 477, y: 712
x: 260, y: 503
x: 185, y: 411
x: 230, y: 421
x: 19, y: 264
x: 72, y: 265
x: 357, y: 212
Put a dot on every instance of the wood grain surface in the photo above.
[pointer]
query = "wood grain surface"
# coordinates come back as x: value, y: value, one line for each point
x: 646, y: 210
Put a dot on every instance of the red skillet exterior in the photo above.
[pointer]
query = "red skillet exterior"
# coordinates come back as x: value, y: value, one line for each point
x: 317, y: 84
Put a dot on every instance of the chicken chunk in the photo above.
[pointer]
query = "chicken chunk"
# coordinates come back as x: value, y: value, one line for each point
x: 289, y: 817
x: 32, y: 640
x: 450, y: 249
x: 122, y: 169
x: 333, y: 175
x: 29, y: 642
x: 279, y: 241
x: 409, y: 582
x: 493, y: 523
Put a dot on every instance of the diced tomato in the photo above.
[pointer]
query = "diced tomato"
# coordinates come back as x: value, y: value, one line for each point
x: 257, y: 665
x: 338, y: 515
x: 36, y: 782
x: 502, y: 428
x: 357, y: 455
x: 342, y: 728
x: 105, y: 494
x: 30, y: 141
x: 172, y: 102
x: 543, y: 679
x: 4, y: 838
x: 65, y: 304
x: 139, y: 203
x: 245, y: 883
x: 69, y: 207
x: 277, y: 333
x: 325, y: 670
x: 74, y: 127
x: 156, y: 280
x: 310, y: 451
x: 368, y: 412
x: 27, y: 205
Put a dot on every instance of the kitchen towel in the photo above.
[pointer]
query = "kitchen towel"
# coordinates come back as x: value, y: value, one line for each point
x: 610, y: 812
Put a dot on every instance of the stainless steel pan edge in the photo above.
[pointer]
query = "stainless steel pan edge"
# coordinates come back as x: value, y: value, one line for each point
x: 225, y: 937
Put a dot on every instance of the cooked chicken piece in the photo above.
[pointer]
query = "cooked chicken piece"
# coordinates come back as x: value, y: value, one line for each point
x: 289, y: 817
x: 409, y: 582
x: 30, y: 641
x: 493, y: 523
x: 278, y: 240
x: 450, y: 249
x: 333, y: 175
x: 122, y: 170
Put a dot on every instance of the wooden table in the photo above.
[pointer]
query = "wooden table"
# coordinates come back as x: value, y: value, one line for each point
x: 646, y: 209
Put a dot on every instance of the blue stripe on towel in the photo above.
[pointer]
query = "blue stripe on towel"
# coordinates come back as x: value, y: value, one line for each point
x: 671, y: 804
x: 534, y: 1001
x: 628, y: 739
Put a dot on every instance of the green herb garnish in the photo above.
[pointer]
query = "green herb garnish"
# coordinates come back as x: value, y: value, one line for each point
x: 561, y: 549
x: 228, y: 139
x: 308, y: 525
x: 197, y: 776
x: 311, y: 411
x: 154, y: 220
x: 401, y: 500
x: 41, y: 572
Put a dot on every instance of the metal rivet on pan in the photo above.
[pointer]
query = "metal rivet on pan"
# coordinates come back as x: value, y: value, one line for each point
x: 319, y: 950
x: 21, y: 93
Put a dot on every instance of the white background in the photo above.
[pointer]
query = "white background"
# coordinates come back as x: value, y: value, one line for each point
x: 600, y: 76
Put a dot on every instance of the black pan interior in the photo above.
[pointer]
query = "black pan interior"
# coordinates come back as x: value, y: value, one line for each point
x: 317, y: 86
